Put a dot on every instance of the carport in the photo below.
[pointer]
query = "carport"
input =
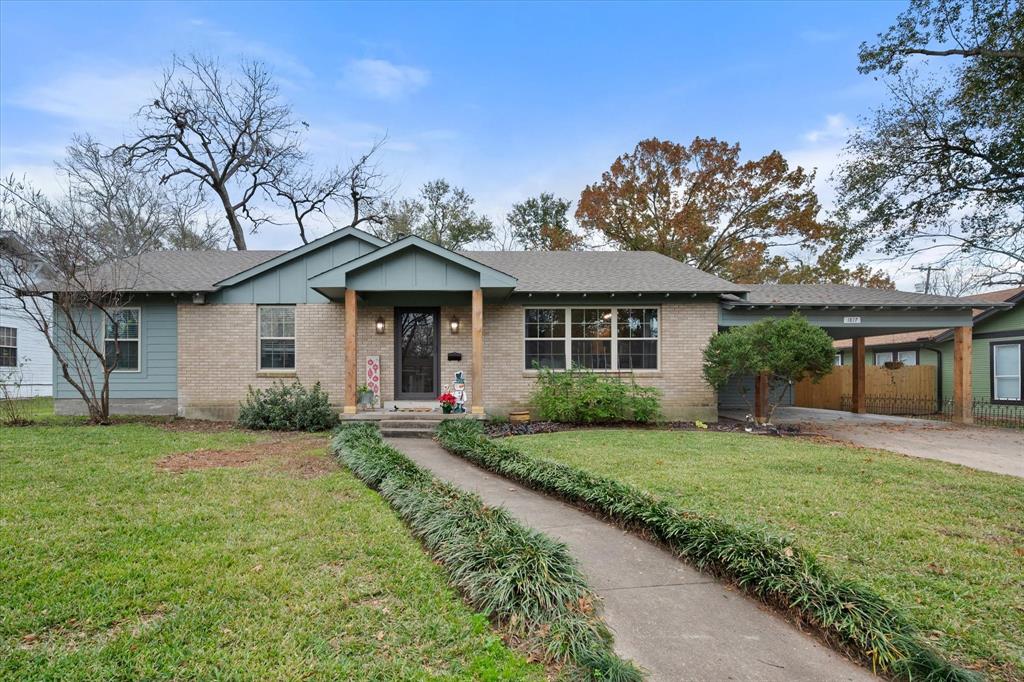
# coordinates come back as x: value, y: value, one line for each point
x: 848, y: 312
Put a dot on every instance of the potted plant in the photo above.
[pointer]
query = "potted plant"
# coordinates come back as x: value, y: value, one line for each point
x: 447, y: 401
x: 366, y: 395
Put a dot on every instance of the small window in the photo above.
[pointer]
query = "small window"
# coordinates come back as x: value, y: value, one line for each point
x: 277, y: 337
x: 545, y: 338
x: 1006, y: 372
x: 121, y: 335
x: 837, y: 360
x: 882, y: 358
x: 8, y: 347
x: 908, y: 357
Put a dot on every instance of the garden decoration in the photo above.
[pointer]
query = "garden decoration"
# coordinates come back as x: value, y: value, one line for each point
x: 459, y: 391
x: 447, y: 401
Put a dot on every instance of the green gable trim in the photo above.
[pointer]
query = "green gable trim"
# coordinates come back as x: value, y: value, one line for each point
x: 410, y: 264
x: 301, y: 251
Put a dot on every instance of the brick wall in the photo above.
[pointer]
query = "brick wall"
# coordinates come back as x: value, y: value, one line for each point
x: 218, y: 356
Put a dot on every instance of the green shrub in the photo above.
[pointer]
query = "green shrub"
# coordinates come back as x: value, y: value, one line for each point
x: 582, y: 396
x: 287, y: 407
x: 766, y: 565
x: 521, y: 578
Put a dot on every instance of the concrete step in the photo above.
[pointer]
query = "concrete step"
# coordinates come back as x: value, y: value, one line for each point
x: 409, y: 423
x: 389, y: 431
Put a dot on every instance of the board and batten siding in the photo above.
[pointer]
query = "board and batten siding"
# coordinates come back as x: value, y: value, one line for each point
x: 1009, y: 325
x: 157, y: 377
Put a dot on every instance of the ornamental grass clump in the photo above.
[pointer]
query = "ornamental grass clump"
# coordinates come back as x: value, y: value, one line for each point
x: 525, y: 581
x: 768, y: 566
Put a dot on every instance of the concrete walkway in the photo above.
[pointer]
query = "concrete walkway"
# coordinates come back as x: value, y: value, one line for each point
x: 674, y: 622
x: 979, y: 447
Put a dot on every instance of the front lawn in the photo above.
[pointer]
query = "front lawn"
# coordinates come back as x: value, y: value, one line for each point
x: 946, y: 543
x: 124, y: 554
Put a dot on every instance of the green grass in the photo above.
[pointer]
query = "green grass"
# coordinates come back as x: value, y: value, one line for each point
x: 113, y: 569
x: 945, y: 543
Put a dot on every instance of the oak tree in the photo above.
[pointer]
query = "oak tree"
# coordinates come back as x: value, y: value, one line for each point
x: 541, y: 223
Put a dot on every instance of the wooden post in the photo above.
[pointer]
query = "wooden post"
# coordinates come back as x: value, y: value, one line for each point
x: 859, y: 404
x: 962, y: 393
x: 761, y: 383
x: 351, y: 351
x: 478, y: 352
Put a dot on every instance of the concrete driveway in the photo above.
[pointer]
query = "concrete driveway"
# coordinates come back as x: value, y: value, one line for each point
x: 989, y: 449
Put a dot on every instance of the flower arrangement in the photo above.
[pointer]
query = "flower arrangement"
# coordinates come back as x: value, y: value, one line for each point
x: 447, y: 401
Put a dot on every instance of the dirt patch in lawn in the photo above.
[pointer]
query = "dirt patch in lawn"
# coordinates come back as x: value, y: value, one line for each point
x: 293, y: 450
x: 197, y: 426
x: 73, y: 634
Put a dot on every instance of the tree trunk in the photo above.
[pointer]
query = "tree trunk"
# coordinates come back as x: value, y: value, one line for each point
x: 237, y: 233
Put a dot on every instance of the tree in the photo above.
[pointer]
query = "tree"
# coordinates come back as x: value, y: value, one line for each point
x: 788, y: 350
x: 442, y: 214
x: 702, y: 205
x: 940, y: 168
x: 51, y: 269
x: 542, y: 224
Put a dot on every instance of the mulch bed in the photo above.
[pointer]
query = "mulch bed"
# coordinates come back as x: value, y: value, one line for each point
x: 503, y: 429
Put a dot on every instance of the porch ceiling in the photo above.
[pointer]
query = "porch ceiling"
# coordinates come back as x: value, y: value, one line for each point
x: 848, y: 322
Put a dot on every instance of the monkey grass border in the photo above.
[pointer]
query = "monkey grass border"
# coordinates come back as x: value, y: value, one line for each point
x: 523, y: 580
x: 848, y: 614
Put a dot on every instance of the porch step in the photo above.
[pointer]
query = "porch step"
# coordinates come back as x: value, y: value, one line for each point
x: 389, y: 431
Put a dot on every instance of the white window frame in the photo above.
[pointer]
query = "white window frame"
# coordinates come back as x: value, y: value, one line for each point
x: 260, y: 339
x: 837, y: 360
x: 7, y: 345
x: 913, y: 363
x: 122, y: 339
x: 614, y: 338
x: 1019, y: 345
x: 884, y: 352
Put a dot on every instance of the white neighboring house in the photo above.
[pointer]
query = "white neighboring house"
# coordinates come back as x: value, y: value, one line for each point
x: 26, y: 362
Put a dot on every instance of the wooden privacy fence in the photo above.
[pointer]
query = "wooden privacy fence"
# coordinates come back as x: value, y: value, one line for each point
x: 915, y: 383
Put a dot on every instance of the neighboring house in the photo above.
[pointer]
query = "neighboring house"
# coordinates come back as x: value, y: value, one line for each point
x: 26, y: 363
x: 349, y: 309
x: 997, y: 352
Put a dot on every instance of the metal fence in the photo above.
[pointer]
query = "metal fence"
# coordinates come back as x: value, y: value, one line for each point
x: 984, y: 412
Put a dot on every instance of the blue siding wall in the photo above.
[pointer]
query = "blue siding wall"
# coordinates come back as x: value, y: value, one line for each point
x: 158, y: 375
x: 287, y: 283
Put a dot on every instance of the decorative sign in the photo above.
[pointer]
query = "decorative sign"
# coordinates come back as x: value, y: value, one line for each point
x: 373, y: 374
x: 851, y: 320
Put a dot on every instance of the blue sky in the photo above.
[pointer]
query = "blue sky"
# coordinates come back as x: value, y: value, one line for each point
x: 507, y: 100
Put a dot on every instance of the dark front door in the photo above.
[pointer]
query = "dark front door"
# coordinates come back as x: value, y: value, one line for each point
x: 417, y: 347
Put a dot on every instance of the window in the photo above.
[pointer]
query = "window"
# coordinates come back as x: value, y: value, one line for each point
x: 8, y: 347
x: 1007, y: 359
x: 907, y: 357
x: 277, y: 337
x: 882, y: 358
x: 594, y: 338
x: 837, y: 360
x: 545, y: 338
x: 121, y: 335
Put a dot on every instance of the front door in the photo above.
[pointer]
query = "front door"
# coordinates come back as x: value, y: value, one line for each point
x: 417, y: 347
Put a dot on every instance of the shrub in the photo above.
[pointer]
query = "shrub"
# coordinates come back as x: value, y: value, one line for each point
x: 582, y: 396
x: 521, y: 578
x: 287, y: 407
x: 768, y: 566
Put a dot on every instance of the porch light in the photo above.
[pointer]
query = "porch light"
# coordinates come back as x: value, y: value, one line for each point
x: 454, y: 325
x: 380, y: 325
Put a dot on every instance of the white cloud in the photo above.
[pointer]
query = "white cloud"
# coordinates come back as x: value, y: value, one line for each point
x: 837, y: 127
x: 383, y: 79
x: 91, y: 97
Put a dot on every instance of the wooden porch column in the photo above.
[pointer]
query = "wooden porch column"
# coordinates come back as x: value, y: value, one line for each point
x: 761, y: 383
x: 962, y: 393
x: 351, y: 350
x: 478, y: 352
x: 859, y: 404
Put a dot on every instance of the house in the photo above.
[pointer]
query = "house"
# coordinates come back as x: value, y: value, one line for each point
x: 403, y: 317
x: 997, y: 357
x: 26, y: 362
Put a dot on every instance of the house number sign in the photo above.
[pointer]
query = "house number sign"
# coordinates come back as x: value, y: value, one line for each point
x: 851, y: 320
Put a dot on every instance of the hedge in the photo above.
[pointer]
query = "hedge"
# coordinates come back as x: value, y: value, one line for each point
x: 523, y: 580
x: 767, y: 566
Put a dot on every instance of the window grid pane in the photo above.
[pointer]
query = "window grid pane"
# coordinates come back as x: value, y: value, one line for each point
x: 9, y: 336
x: 1006, y: 372
x: 908, y: 357
x: 277, y: 354
x: 8, y: 356
x: 592, y: 353
x: 122, y: 355
x: 590, y: 333
x: 545, y: 338
x: 591, y: 323
x: 277, y: 322
x: 124, y: 325
x: 546, y: 354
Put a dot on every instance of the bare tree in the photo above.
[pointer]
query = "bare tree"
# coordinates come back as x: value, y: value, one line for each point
x: 55, y: 267
x: 228, y: 134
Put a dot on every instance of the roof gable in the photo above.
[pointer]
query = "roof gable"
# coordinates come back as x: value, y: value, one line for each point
x: 367, y: 240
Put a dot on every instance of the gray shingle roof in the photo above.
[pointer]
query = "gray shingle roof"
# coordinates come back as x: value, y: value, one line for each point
x: 601, y: 271
x: 178, y: 271
x: 839, y: 295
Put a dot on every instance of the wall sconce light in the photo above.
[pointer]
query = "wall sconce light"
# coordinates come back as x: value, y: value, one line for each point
x: 454, y: 325
x: 380, y: 325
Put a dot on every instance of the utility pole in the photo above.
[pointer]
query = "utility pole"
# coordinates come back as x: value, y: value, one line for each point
x: 927, y: 269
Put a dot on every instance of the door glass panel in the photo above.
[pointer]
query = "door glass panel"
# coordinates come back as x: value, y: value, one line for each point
x: 417, y: 336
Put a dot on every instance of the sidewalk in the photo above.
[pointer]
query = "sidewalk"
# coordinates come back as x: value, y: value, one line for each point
x: 674, y: 622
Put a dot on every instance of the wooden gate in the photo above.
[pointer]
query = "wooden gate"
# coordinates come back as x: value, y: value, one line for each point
x: 910, y: 384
